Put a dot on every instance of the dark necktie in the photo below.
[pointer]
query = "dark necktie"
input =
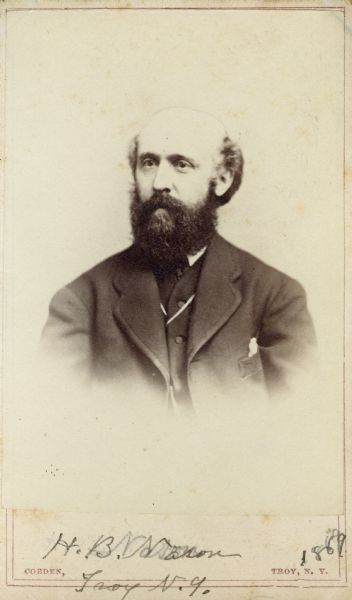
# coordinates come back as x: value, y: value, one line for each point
x: 168, y: 278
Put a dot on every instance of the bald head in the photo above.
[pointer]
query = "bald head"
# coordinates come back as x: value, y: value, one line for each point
x: 196, y: 138
x: 189, y: 131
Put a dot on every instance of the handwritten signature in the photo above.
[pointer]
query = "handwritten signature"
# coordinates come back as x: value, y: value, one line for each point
x: 168, y: 582
x: 138, y: 545
x: 334, y: 535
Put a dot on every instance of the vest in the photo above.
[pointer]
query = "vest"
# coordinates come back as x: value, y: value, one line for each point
x: 177, y: 293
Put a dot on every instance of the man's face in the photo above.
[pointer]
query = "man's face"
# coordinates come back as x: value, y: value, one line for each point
x: 173, y: 208
x: 173, y: 157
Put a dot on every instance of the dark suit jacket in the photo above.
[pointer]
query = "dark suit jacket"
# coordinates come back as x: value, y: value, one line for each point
x: 108, y: 324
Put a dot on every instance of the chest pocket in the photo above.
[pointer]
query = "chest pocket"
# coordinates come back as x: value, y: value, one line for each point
x: 249, y: 365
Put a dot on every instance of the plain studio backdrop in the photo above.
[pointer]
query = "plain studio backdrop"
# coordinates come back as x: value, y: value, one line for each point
x: 79, y: 84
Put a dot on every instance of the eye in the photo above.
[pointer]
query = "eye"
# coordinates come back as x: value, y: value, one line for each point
x: 148, y: 162
x: 182, y: 165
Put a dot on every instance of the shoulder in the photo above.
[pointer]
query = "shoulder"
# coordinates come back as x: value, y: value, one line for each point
x: 98, y: 279
x: 257, y: 273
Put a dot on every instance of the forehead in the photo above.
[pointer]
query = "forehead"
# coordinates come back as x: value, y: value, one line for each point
x: 188, y: 135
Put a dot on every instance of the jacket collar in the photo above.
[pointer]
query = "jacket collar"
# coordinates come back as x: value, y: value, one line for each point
x: 218, y: 294
x: 138, y: 309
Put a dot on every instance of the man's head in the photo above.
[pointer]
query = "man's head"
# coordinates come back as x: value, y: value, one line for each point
x: 184, y: 166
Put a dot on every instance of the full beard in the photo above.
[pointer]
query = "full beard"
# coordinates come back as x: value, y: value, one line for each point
x: 165, y: 231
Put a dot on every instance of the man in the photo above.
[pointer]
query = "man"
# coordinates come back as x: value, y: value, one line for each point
x: 182, y: 313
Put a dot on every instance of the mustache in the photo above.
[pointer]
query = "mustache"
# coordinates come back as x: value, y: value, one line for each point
x: 159, y: 200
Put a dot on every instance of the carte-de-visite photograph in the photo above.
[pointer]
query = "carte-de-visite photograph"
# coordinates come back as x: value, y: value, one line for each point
x: 174, y: 237
x: 181, y: 297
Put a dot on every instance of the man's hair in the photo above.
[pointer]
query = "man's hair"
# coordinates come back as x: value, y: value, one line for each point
x: 231, y: 160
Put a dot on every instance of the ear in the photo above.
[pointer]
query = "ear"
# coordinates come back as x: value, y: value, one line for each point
x: 222, y: 181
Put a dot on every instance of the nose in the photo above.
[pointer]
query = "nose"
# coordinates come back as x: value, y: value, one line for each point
x: 163, y: 178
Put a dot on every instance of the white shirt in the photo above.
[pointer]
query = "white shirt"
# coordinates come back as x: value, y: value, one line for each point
x: 192, y: 259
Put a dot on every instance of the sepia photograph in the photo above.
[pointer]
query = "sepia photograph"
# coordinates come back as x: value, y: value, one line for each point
x: 181, y: 295
x: 175, y: 274
x: 174, y: 217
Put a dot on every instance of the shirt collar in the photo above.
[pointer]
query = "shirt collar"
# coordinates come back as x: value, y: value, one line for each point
x: 192, y: 259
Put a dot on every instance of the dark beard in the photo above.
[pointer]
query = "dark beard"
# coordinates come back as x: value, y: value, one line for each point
x: 165, y: 238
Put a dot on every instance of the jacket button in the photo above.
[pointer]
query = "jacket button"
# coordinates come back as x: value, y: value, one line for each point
x: 180, y: 303
x: 179, y: 339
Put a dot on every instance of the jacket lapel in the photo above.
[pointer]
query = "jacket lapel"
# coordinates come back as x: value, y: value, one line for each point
x: 218, y: 293
x: 138, y: 311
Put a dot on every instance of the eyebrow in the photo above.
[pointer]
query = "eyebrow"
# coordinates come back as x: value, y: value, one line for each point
x: 182, y: 157
x: 171, y: 157
x: 148, y: 155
